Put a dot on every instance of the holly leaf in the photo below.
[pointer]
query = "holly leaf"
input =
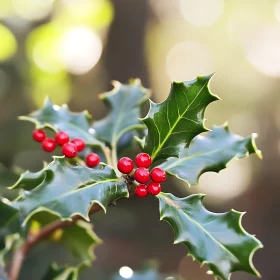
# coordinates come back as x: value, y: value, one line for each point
x: 79, y: 238
x: 66, y: 190
x: 7, y: 212
x: 125, y: 102
x: 61, y: 118
x: 209, y: 153
x: 61, y: 273
x: 173, y: 123
x: 216, y: 239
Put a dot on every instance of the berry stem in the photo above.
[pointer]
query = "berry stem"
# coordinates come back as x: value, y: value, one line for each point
x: 79, y: 161
x: 107, y: 154
x: 115, y: 157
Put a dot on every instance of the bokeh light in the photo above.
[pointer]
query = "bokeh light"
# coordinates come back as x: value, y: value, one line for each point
x: 33, y: 9
x: 8, y: 46
x: 201, y: 12
x: 42, y: 47
x: 6, y: 8
x: 277, y: 10
x: 262, y: 50
x: 126, y: 272
x: 228, y: 183
x: 80, y: 49
x: 186, y: 59
x: 96, y: 14
x: 56, y: 85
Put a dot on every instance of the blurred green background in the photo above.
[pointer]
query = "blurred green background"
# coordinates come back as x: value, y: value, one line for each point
x: 72, y: 49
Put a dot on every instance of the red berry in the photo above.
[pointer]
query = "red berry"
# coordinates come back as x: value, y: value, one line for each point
x: 142, y: 175
x: 141, y: 190
x: 125, y: 165
x: 92, y: 160
x: 158, y: 175
x: 79, y: 143
x: 154, y: 188
x: 48, y: 145
x: 143, y: 160
x: 69, y: 150
x: 61, y: 138
x: 39, y: 135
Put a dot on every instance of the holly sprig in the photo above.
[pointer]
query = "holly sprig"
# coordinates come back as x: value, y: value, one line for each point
x: 88, y: 175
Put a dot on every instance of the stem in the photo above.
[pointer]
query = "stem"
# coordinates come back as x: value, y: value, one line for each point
x: 114, y: 155
x: 106, y: 151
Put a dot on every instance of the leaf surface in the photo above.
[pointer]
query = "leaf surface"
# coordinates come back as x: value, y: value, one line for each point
x: 61, y: 273
x: 216, y: 239
x: 173, y: 123
x: 61, y: 118
x: 209, y: 153
x: 125, y: 102
x: 66, y: 190
x: 79, y: 238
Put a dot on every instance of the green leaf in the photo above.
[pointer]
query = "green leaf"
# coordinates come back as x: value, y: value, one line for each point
x: 10, y: 229
x: 7, y: 212
x: 173, y: 123
x: 61, y: 273
x: 66, y: 190
x: 125, y: 102
x: 79, y: 238
x: 61, y: 118
x: 209, y: 153
x: 216, y: 239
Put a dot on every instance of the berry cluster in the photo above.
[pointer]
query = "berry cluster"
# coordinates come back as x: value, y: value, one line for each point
x: 69, y: 149
x: 142, y: 175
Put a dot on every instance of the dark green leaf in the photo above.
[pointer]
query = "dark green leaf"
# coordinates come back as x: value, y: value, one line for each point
x: 61, y: 118
x: 7, y: 212
x: 79, y: 238
x: 216, y: 239
x: 125, y: 101
x: 10, y: 229
x: 209, y: 153
x: 173, y: 123
x: 61, y: 273
x: 66, y: 190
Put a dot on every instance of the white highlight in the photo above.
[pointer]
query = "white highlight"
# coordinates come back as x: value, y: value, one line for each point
x: 201, y: 12
x: 126, y: 272
x: 80, y: 50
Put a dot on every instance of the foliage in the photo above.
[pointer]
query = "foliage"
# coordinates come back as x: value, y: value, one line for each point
x: 54, y: 202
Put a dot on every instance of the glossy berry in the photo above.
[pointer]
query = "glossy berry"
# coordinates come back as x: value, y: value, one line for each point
x: 141, y: 190
x: 48, y: 145
x: 92, y: 160
x: 158, y: 175
x: 154, y: 188
x: 61, y: 138
x: 69, y: 150
x: 125, y: 165
x: 142, y: 175
x: 39, y: 135
x: 79, y: 143
x: 143, y: 160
